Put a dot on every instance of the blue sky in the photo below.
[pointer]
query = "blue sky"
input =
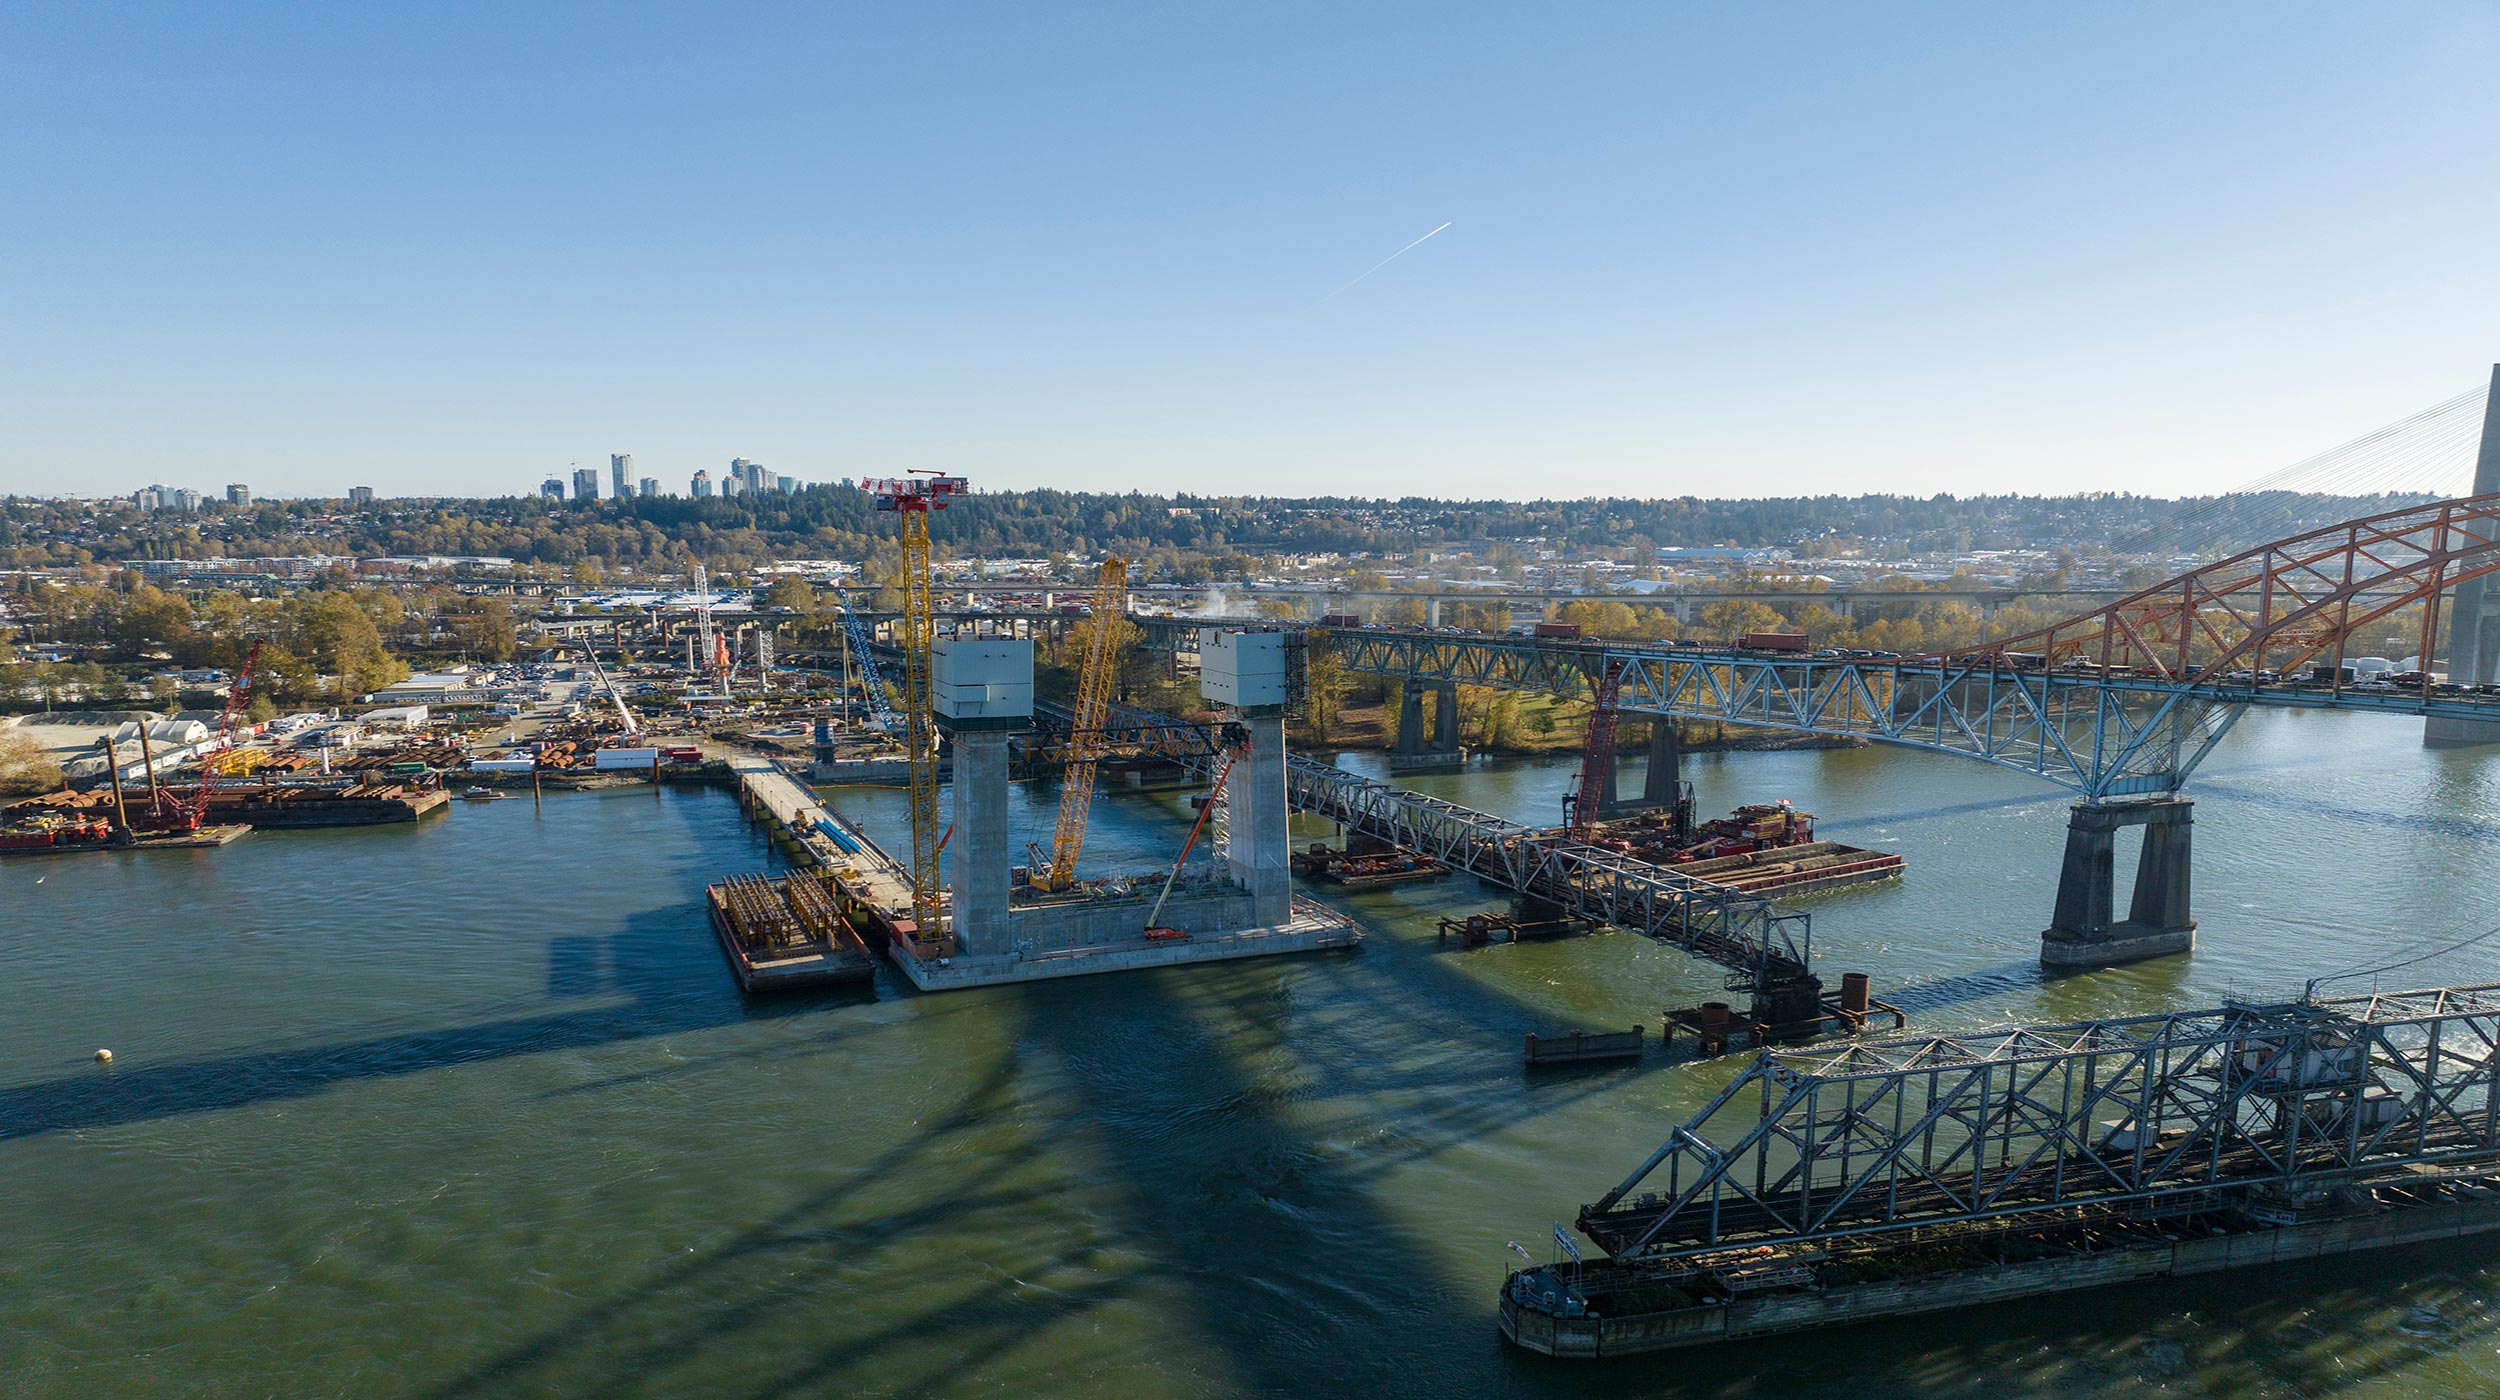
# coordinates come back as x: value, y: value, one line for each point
x: 1723, y: 250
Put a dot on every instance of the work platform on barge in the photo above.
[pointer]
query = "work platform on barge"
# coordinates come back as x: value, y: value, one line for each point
x: 1910, y: 1175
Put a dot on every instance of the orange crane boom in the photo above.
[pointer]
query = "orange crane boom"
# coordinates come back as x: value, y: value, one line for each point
x: 1093, y: 711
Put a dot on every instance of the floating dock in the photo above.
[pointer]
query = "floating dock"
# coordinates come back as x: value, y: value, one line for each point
x: 786, y: 932
x: 1842, y: 1185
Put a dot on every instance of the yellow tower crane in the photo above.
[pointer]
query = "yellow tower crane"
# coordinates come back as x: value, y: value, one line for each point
x: 912, y: 498
x: 1093, y: 712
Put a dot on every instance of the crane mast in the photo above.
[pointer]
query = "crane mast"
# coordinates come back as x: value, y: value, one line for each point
x: 1093, y: 711
x: 911, y: 499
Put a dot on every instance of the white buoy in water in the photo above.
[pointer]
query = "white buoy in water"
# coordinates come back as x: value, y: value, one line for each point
x: 104, y: 1057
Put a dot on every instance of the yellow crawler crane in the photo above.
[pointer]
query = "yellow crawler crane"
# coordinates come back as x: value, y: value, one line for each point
x: 912, y: 498
x: 1093, y: 712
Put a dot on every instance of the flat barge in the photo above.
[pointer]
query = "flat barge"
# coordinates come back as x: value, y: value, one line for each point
x: 67, y: 838
x: 786, y: 933
x: 1357, y: 870
x: 1918, y: 1174
x: 1767, y: 849
x: 358, y: 802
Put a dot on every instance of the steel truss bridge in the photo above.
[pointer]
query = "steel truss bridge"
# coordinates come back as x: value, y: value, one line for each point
x: 2232, y: 1106
x: 2121, y: 702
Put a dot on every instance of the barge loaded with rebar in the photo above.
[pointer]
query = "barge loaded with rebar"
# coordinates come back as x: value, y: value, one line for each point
x: 786, y: 932
x: 1910, y: 1175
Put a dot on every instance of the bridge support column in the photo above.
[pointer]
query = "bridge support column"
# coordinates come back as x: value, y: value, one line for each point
x: 1432, y: 612
x: 977, y: 856
x: 2473, y: 615
x: 1421, y: 748
x: 1255, y: 816
x: 1662, y: 783
x: 2084, y: 931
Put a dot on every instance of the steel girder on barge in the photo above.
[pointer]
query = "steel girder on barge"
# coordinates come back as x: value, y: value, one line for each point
x: 2228, y: 1105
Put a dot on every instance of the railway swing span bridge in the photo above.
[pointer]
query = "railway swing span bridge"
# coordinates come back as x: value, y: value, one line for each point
x: 2119, y: 705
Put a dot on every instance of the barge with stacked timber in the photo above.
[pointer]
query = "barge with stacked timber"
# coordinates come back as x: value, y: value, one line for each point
x: 1913, y: 1175
x: 786, y: 933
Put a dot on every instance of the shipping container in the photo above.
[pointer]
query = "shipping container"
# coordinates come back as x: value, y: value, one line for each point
x: 625, y: 758
x: 1557, y: 629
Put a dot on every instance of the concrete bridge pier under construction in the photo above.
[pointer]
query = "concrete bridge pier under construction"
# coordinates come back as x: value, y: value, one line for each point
x: 982, y: 698
x: 2085, y: 932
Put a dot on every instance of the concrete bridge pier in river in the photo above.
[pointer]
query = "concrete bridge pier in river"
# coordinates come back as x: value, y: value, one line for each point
x: 2085, y: 931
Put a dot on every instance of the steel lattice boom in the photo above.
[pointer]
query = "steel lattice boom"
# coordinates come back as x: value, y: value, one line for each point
x: 1093, y: 707
x: 2216, y: 1106
x: 912, y: 498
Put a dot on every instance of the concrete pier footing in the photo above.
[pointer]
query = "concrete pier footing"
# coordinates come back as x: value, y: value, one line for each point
x: 2085, y: 932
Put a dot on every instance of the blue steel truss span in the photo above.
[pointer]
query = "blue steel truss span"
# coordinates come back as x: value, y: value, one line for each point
x: 2236, y: 1105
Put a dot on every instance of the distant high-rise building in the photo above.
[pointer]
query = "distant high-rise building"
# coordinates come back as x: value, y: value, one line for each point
x: 238, y: 494
x: 148, y: 498
x: 650, y: 486
x: 585, y: 483
x: 186, y: 499
x: 733, y: 483
x: 552, y: 488
x: 702, y: 485
x: 789, y: 486
x: 619, y: 463
x: 360, y: 495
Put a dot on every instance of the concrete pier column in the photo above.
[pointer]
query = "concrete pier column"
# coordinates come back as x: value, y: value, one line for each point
x: 1445, y: 719
x: 982, y: 695
x: 1663, y: 784
x: 1246, y: 673
x: 1432, y: 612
x: 977, y: 857
x: 2084, y: 931
x: 1410, y: 719
x: 2473, y: 618
x: 1255, y: 816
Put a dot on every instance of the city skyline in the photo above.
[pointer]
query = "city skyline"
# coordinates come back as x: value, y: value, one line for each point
x: 1472, y: 253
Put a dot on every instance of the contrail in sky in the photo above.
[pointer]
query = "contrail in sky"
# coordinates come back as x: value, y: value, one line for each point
x: 1393, y: 257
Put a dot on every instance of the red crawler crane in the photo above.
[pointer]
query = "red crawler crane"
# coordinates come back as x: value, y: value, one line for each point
x: 237, y: 694
x: 1597, y: 756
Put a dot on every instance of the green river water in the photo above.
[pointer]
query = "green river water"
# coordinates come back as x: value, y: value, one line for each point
x: 474, y: 1109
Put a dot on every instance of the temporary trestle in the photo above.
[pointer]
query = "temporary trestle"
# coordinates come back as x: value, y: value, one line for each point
x: 2254, y: 1106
